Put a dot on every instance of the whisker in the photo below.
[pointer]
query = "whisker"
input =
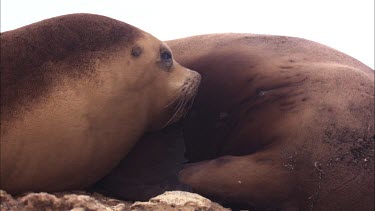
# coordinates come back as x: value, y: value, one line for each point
x: 179, y: 93
x: 179, y: 107
x: 191, y: 102
x: 186, y: 96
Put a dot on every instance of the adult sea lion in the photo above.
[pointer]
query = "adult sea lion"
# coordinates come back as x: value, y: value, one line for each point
x: 77, y: 92
x: 279, y: 123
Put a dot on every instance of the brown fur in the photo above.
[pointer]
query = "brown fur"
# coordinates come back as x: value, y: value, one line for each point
x: 77, y: 92
x: 28, y: 53
x: 279, y: 123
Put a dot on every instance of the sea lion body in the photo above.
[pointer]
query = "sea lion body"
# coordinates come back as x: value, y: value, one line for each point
x: 278, y: 123
x: 77, y: 92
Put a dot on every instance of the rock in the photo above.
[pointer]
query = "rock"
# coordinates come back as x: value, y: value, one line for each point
x: 7, y: 202
x: 62, y: 201
x: 177, y: 200
x: 82, y: 201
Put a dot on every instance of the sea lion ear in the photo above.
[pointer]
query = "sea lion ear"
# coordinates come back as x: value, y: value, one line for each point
x: 136, y: 51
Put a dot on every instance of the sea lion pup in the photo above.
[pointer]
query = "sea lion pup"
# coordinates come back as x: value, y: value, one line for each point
x: 279, y: 123
x: 77, y: 92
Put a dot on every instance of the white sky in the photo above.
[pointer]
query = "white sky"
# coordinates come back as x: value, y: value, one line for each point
x: 346, y: 25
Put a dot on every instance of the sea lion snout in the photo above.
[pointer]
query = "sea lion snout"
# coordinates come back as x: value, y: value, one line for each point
x: 193, y: 81
x: 185, y: 96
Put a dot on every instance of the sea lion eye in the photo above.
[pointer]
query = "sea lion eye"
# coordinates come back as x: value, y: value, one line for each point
x: 166, y: 58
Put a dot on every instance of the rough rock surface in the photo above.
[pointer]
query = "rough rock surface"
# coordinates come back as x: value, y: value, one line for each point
x: 82, y: 201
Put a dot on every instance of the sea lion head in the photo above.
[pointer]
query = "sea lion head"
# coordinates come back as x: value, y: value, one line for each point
x: 169, y: 87
x: 126, y: 64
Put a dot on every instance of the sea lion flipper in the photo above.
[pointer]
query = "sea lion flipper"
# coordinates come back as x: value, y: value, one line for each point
x: 259, y: 175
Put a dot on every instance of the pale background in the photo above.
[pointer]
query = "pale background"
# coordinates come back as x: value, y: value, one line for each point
x: 346, y: 25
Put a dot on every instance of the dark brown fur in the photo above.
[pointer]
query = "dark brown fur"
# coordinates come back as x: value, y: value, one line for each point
x: 279, y: 123
x: 30, y: 55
